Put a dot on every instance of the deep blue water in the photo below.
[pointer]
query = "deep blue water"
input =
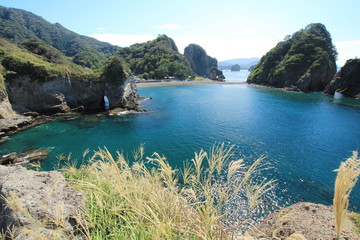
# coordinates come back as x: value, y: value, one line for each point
x: 303, y: 136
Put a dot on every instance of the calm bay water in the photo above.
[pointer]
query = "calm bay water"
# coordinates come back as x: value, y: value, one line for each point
x: 236, y: 76
x: 303, y: 136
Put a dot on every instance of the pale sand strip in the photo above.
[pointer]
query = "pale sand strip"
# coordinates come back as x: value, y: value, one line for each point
x: 161, y: 83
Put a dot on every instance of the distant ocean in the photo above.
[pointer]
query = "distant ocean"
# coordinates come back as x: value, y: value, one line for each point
x: 236, y: 76
x: 303, y: 136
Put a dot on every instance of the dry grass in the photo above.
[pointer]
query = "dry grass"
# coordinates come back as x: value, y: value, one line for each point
x: 346, y: 178
x: 148, y: 199
x: 35, y: 227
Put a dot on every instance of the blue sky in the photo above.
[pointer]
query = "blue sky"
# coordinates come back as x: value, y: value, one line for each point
x: 225, y: 29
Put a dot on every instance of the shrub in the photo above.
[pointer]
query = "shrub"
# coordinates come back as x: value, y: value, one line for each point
x: 151, y: 200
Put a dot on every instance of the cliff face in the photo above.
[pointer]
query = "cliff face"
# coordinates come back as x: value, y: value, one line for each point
x: 200, y: 62
x: 304, y: 62
x: 6, y: 110
x: 63, y: 94
x: 347, y: 80
x: 44, y: 81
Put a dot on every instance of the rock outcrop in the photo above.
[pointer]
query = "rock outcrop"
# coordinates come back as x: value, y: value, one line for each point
x: 347, y: 80
x: 313, y: 221
x: 200, y: 62
x: 63, y: 94
x: 30, y: 156
x: 37, y: 205
x: 235, y: 68
x: 303, y: 62
x: 156, y: 59
x: 216, y: 74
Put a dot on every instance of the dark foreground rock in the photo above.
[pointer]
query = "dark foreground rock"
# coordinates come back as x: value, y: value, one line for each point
x: 39, y: 205
x: 347, y: 80
x: 313, y: 221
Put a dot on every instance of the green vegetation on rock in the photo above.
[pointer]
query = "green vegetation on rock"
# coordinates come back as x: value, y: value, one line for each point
x: 2, y: 80
x: 116, y: 71
x: 200, y: 62
x: 19, y: 25
x: 156, y: 59
x: 304, y: 61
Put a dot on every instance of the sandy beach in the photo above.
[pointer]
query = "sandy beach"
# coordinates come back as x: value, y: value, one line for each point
x: 162, y: 83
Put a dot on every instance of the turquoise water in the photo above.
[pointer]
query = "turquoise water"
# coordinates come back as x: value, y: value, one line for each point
x: 303, y: 136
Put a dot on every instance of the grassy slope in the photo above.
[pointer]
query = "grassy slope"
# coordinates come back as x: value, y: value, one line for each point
x: 18, y: 25
x: 21, y: 61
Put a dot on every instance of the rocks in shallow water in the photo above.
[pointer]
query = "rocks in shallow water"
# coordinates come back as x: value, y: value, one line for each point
x: 40, y: 202
x: 3, y: 139
x: 8, y: 158
x: 347, y: 80
x: 14, y: 123
x: 122, y: 111
x: 31, y: 114
x: 23, y: 158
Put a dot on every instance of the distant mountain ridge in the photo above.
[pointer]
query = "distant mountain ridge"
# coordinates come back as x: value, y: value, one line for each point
x: 245, y: 63
x: 18, y: 25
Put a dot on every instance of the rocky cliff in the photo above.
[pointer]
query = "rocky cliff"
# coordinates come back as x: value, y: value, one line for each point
x: 347, y: 80
x: 48, y: 84
x: 200, y: 62
x: 304, y: 61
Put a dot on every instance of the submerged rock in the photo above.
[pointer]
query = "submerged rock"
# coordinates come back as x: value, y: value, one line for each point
x: 122, y: 111
x: 347, y: 80
x: 41, y: 202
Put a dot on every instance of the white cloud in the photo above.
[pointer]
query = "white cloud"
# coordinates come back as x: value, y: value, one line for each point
x: 169, y: 27
x: 347, y: 50
x: 122, y: 40
x: 226, y: 48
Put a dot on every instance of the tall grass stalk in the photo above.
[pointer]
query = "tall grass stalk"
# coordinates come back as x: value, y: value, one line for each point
x: 347, y: 176
x: 151, y: 200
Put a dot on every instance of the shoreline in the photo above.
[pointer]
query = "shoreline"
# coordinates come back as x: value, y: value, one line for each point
x: 164, y: 83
